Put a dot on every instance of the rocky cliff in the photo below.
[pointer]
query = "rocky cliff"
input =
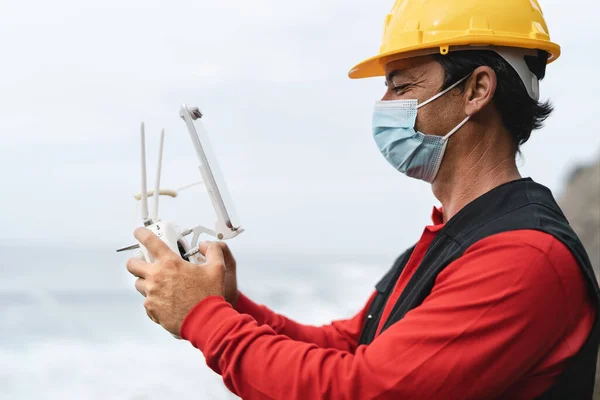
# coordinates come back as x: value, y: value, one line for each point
x: 581, y: 204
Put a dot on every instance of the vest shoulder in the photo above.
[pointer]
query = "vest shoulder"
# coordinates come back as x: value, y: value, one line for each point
x: 545, y: 218
x: 531, y: 244
x: 536, y: 240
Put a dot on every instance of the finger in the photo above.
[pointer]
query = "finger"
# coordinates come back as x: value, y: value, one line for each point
x: 224, y: 248
x: 227, y: 255
x: 156, y: 247
x: 215, y: 263
x: 138, y: 268
x: 214, y: 254
x: 141, y: 286
x: 204, y: 247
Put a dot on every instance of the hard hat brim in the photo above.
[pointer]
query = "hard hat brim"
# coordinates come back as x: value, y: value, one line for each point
x: 375, y: 66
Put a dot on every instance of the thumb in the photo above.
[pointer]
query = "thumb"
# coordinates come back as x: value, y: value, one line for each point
x: 215, y: 260
x: 203, y: 246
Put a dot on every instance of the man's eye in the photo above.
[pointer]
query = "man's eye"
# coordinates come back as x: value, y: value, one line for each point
x: 400, y: 88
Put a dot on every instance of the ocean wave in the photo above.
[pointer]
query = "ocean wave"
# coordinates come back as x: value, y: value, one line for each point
x: 60, y: 340
x: 66, y: 297
x: 133, y: 370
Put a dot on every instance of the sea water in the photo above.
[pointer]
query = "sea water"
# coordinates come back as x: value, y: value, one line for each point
x: 72, y: 326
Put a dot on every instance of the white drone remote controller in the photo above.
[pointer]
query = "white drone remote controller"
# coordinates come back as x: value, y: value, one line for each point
x: 225, y: 228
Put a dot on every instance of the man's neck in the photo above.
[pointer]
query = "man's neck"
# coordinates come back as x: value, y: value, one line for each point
x: 465, y: 177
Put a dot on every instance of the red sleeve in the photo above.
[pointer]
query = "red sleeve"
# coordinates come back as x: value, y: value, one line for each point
x: 491, y: 316
x: 340, y: 335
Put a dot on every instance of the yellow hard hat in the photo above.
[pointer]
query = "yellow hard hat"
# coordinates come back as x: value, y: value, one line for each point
x: 421, y: 27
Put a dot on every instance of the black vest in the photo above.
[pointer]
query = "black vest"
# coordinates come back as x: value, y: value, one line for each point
x: 517, y: 205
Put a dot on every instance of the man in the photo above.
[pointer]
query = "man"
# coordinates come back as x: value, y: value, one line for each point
x: 496, y: 300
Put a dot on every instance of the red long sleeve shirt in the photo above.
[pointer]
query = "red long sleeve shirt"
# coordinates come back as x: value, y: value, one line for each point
x: 501, y: 322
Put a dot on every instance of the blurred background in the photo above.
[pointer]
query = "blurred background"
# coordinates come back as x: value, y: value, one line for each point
x: 324, y: 213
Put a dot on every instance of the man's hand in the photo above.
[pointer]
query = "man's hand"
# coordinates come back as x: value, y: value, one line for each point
x: 230, y: 289
x: 173, y: 286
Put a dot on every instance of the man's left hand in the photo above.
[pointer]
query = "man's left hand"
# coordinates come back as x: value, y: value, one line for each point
x: 171, y: 285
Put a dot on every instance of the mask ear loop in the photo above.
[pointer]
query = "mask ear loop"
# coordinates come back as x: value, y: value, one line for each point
x: 453, y: 131
x: 445, y: 143
x: 440, y: 94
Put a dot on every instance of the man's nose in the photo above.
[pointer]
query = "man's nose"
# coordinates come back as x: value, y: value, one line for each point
x: 387, y: 96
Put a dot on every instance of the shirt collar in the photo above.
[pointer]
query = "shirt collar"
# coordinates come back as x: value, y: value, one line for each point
x: 437, y: 217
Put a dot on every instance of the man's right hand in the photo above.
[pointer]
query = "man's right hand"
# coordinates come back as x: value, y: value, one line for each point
x: 230, y: 288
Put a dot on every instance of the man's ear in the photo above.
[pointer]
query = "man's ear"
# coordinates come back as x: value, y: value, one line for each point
x: 479, y: 90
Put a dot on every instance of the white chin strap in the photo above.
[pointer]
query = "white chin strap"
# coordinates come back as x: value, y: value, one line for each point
x: 516, y: 58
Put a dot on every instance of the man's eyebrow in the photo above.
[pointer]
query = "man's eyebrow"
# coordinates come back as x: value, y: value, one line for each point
x: 399, y: 73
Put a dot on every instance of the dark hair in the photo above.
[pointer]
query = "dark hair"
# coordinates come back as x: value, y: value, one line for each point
x: 519, y: 112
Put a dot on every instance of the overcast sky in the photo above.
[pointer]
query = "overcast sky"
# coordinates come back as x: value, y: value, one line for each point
x: 291, y: 131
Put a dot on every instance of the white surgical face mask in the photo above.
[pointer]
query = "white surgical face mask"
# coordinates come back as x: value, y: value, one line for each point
x: 413, y: 153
